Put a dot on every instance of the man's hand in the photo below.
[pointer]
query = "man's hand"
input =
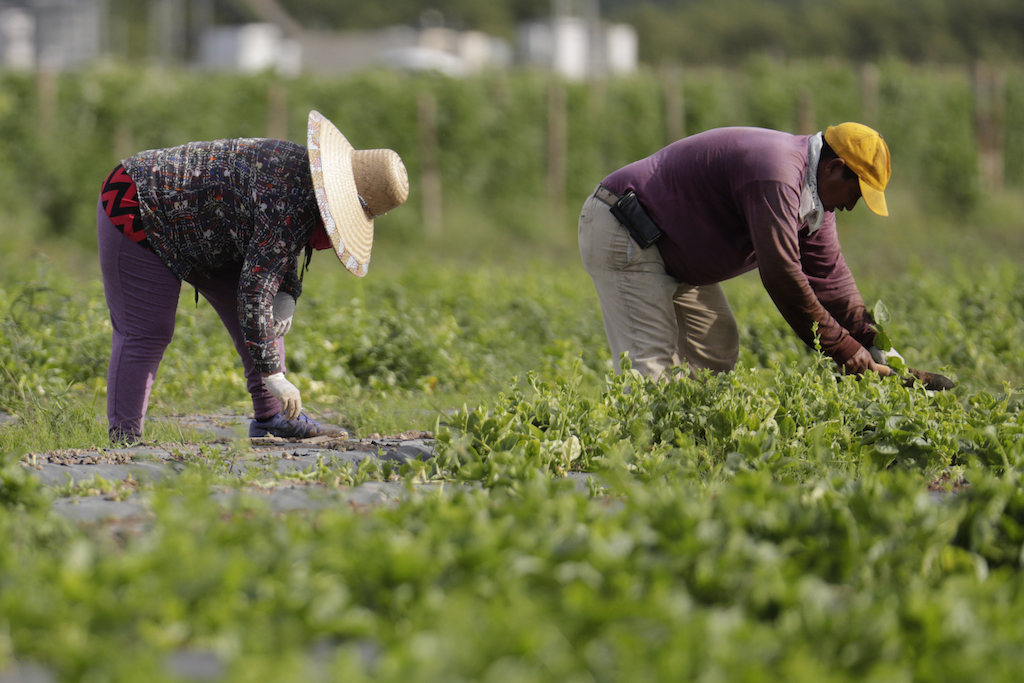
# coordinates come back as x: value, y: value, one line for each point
x: 882, y: 357
x: 284, y: 309
x: 286, y: 393
x: 860, y: 362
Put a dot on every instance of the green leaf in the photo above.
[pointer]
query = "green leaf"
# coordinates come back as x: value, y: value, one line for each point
x: 880, y: 313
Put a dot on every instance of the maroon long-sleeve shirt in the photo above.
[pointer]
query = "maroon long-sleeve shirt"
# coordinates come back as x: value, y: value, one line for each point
x: 728, y: 202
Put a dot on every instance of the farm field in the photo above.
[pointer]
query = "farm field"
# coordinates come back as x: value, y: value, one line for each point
x: 776, y: 523
x: 771, y: 524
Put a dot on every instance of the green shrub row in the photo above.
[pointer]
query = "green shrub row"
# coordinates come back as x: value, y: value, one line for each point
x: 63, y: 133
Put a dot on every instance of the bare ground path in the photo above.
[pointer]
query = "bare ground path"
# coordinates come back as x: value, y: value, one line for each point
x: 285, y: 475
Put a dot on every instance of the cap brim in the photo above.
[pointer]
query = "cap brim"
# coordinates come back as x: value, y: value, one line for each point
x: 875, y: 199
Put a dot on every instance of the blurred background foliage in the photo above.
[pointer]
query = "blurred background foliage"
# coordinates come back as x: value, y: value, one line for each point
x: 729, y: 31
x: 692, y: 32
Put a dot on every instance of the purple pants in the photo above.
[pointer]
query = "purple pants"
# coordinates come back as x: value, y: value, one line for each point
x: 142, y: 294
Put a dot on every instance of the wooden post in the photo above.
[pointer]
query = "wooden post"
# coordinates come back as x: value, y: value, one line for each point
x: 46, y: 97
x: 277, y: 111
x: 430, y: 175
x: 557, y: 131
x: 675, y: 105
x: 805, y: 113
x: 869, y: 94
x: 989, y: 109
x: 124, y: 145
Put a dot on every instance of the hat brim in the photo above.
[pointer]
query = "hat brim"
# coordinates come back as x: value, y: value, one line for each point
x: 347, y: 225
x: 875, y: 199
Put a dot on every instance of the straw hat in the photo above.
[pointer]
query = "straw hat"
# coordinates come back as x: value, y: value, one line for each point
x: 353, y: 186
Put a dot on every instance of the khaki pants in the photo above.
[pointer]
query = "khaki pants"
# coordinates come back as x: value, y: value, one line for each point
x: 658, y: 320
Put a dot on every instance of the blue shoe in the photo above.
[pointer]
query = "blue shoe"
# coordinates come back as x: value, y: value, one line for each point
x: 299, y: 428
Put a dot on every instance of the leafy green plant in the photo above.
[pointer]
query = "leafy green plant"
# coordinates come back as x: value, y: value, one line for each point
x: 18, y: 489
x: 880, y: 315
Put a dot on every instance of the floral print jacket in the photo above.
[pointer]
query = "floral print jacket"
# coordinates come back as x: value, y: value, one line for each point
x: 207, y: 206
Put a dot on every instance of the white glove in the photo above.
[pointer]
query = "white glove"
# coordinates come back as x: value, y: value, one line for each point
x: 286, y: 393
x: 284, y: 309
x: 882, y: 357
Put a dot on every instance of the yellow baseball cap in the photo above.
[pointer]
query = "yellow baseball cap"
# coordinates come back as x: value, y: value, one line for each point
x: 867, y: 155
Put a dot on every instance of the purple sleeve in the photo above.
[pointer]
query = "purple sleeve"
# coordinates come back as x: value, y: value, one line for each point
x: 833, y: 283
x: 770, y: 212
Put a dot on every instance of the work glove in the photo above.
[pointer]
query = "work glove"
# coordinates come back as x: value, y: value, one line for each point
x: 284, y: 309
x: 286, y: 393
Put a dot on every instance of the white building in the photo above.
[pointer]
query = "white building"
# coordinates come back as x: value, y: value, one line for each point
x: 579, y: 48
x: 70, y: 34
x: 250, y: 48
x: 17, y: 38
x: 454, y: 53
x: 51, y: 34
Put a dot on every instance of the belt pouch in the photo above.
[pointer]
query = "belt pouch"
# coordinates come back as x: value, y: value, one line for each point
x: 630, y: 212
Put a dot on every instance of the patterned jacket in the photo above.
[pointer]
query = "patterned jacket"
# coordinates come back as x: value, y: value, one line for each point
x: 207, y: 206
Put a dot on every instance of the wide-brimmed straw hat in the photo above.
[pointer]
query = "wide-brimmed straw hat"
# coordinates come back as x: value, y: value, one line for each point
x: 353, y: 186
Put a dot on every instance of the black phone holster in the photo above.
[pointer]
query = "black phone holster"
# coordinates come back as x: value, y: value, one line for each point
x: 630, y: 212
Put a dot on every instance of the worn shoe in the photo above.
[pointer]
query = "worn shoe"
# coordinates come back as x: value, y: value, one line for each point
x: 300, y: 428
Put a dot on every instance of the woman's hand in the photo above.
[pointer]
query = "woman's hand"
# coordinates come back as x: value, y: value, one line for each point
x: 286, y: 393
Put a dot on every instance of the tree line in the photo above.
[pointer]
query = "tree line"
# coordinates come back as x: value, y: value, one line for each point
x: 917, y: 31
x: 671, y: 32
x: 722, y: 32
